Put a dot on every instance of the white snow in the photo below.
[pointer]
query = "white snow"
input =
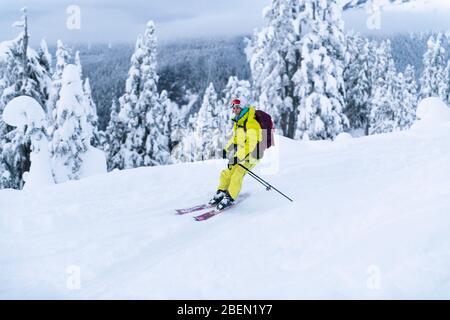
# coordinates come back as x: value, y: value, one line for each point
x: 26, y: 111
x: 431, y: 112
x: 40, y: 174
x: 370, y: 220
x: 23, y: 110
x: 93, y: 162
x: 342, y: 137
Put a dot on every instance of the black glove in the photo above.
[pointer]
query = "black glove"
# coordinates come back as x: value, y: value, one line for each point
x: 224, y: 154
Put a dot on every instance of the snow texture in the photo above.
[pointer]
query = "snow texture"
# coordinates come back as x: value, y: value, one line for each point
x: 431, y: 112
x: 22, y: 111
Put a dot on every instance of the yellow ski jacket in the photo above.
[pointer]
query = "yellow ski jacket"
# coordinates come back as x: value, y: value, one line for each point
x: 246, y: 135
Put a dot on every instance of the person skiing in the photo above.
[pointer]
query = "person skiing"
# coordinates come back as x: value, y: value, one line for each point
x: 241, y: 150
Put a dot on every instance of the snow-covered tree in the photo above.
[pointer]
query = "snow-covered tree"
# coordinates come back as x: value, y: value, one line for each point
x: 25, y: 113
x: 91, y: 114
x: 407, y: 99
x: 274, y: 55
x: 115, y: 137
x: 182, y: 132
x: 319, y: 82
x: 45, y: 58
x: 203, y: 139
x: 78, y: 64
x: 444, y: 90
x: 173, y: 120
x: 384, y: 101
x: 359, y: 81
x: 22, y: 72
x: 63, y: 57
x: 71, y: 136
x: 140, y: 108
x: 207, y: 133
x: 434, y: 64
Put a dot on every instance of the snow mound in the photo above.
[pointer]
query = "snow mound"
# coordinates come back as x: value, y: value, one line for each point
x: 40, y: 171
x: 431, y: 112
x: 94, y: 162
x: 342, y: 137
x: 22, y: 111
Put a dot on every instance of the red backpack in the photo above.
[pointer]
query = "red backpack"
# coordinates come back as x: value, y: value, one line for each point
x: 266, y: 123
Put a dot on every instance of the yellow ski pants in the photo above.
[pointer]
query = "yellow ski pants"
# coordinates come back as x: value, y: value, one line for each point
x: 231, y: 179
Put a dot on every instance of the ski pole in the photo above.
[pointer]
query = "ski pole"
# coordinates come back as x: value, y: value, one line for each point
x: 264, y: 183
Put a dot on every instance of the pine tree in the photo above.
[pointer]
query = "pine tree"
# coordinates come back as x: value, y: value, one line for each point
x: 359, y: 81
x: 434, y: 65
x: 22, y: 72
x: 444, y: 89
x: 207, y: 133
x: 62, y: 59
x: 274, y: 56
x: 173, y: 120
x: 384, y: 102
x: 319, y: 82
x: 407, y: 98
x: 91, y: 114
x: 71, y: 136
x: 202, y: 138
x: 45, y: 58
x: 115, y: 137
x: 140, y: 108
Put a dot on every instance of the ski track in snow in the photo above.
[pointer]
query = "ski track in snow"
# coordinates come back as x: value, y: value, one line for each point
x: 380, y: 201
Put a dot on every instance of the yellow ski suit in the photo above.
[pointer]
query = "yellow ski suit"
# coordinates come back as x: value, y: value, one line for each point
x: 246, y: 135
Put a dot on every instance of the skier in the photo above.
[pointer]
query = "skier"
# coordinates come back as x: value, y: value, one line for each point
x: 241, y: 150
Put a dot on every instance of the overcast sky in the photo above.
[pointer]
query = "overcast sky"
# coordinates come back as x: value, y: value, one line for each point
x: 111, y: 21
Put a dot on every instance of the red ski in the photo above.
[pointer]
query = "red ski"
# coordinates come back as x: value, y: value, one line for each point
x: 214, y: 212
x: 210, y: 214
x: 193, y: 209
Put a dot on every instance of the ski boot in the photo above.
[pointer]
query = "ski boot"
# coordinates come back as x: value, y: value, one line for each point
x: 217, y: 197
x: 226, y: 201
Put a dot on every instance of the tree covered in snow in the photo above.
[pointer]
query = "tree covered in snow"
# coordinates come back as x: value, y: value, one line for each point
x: 274, y: 55
x: 444, y: 90
x: 115, y: 137
x: 297, y: 64
x: 140, y: 108
x: 63, y: 57
x: 173, y: 120
x: 45, y: 58
x: 28, y: 116
x: 22, y: 72
x: 72, y: 133
x: 91, y: 114
x: 434, y: 64
x: 383, y: 102
x: 407, y: 99
x: 359, y: 81
x: 203, y: 137
x: 319, y: 82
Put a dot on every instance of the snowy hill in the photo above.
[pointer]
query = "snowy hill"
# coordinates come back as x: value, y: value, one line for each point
x: 370, y: 220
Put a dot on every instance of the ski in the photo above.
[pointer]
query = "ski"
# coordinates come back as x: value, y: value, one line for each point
x: 193, y: 209
x: 210, y: 214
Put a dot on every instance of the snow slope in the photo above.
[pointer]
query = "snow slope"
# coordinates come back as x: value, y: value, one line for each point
x: 371, y: 219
